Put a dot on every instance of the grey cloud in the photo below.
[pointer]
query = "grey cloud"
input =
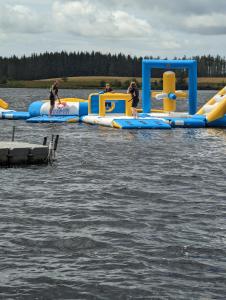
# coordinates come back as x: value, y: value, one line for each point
x: 173, y: 27
x: 21, y: 19
x: 199, y: 7
x: 165, y: 15
x: 208, y: 30
x: 176, y: 6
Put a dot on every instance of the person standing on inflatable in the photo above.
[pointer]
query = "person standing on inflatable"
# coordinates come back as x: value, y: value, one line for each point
x: 133, y: 90
x: 108, y: 88
x: 53, y: 96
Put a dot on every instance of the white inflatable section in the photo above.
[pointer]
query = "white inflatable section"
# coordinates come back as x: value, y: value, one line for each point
x: 172, y: 114
x: 64, y: 109
x: 94, y: 119
x: 179, y: 122
x: 107, y: 121
x: 219, y: 98
x: 208, y: 107
x: 2, y: 111
x: 161, y: 96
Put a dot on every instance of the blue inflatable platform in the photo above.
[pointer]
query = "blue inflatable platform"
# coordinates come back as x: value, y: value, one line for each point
x: 53, y: 119
x: 191, y: 122
x: 16, y: 115
x: 141, y: 124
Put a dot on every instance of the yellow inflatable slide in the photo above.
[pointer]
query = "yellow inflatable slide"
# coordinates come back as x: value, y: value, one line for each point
x: 3, y: 104
x: 215, y: 108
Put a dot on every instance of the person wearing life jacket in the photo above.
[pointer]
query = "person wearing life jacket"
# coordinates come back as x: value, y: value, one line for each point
x: 53, y: 96
x: 133, y: 90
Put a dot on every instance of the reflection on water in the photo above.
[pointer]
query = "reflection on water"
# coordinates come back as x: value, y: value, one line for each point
x: 217, y: 132
x: 136, y: 214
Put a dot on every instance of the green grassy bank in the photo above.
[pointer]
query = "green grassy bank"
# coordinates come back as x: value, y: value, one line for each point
x: 116, y: 82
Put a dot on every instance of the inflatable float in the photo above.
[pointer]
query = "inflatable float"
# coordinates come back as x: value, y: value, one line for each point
x: 114, y: 109
x: 6, y: 113
x: 69, y: 110
x: 4, y: 109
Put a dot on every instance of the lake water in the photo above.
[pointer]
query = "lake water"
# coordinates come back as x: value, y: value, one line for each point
x: 122, y: 214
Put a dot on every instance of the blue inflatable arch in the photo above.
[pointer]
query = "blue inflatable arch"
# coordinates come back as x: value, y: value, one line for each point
x: 148, y: 65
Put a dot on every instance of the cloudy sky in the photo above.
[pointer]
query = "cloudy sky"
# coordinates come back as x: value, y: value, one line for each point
x: 165, y: 28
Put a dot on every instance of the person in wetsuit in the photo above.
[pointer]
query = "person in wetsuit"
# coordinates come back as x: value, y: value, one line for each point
x: 108, y: 88
x: 133, y: 90
x: 53, y: 96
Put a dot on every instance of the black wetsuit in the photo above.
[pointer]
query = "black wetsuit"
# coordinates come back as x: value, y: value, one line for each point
x: 135, y: 96
x: 53, y: 94
x: 108, y: 90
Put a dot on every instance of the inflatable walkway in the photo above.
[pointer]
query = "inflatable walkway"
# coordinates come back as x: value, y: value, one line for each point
x: 124, y: 122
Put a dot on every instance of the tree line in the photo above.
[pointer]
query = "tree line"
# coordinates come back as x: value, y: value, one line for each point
x: 64, y: 64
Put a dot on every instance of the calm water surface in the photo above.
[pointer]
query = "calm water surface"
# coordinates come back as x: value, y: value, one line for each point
x: 121, y: 214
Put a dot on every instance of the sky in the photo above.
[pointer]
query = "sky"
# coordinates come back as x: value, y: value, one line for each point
x: 165, y: 28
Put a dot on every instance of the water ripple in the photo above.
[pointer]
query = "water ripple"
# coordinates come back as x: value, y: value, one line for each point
x: 120, y: 215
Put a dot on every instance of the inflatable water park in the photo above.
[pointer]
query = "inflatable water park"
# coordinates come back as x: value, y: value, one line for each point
x: 114, y: 109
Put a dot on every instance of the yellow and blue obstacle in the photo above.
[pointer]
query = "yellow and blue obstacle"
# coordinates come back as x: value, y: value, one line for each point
x: 170, y: 95
x: 211, y: 114
x: 114, y: 110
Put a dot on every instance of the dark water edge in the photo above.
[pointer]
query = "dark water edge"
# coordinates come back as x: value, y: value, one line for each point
x: 137, y: 214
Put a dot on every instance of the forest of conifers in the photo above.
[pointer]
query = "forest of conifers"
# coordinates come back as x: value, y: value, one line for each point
x: 63, y: 64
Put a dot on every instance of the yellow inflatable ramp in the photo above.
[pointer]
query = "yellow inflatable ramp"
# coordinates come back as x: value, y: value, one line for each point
x: 215, y: 108
x: 3, y: 104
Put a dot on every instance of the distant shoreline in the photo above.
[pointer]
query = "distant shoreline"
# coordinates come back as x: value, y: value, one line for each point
x: 98, y: 82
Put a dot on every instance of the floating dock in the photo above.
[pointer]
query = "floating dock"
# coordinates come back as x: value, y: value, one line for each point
x: 18, y: 153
